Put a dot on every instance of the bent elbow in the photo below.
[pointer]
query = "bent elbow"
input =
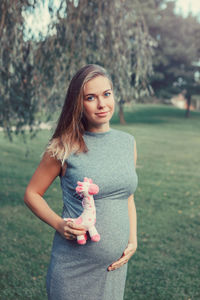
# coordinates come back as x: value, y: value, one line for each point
x: 26, y: 196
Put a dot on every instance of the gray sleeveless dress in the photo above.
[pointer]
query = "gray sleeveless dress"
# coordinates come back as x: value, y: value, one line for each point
x: 79, y: 272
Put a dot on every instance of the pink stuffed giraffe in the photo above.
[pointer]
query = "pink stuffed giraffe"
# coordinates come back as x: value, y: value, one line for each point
x: 88, y: 218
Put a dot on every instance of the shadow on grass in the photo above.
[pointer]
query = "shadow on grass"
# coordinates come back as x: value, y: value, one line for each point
x: 154, y: 114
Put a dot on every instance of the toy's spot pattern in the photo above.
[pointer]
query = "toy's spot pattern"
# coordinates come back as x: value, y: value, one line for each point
x: 79, y: 220
x: 87, y: 189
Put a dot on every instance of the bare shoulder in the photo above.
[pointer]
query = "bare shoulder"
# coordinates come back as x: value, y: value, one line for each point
x: 49, y: 160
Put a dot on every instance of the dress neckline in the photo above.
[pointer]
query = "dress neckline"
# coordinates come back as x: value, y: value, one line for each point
x: 98, y: 134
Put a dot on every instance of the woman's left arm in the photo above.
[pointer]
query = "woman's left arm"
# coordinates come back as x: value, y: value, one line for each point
x: 132, y: 243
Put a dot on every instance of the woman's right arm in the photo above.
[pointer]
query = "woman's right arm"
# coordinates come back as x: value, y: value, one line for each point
x: 48, y: 169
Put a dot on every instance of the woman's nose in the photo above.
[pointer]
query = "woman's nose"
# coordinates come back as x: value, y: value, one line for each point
x: 101, y: 102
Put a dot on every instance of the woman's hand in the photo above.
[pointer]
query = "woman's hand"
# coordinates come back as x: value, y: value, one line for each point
x: 128, y: 252
x: 70, y: 230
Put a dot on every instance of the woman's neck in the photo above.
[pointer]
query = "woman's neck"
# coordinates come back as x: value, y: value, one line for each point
x: 103, y: 128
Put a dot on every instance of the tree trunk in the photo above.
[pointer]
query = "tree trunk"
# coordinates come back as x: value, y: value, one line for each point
x: 187, y: 112
x: 121, y: 114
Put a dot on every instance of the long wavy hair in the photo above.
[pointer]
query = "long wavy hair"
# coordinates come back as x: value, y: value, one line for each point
x: 71, y: 125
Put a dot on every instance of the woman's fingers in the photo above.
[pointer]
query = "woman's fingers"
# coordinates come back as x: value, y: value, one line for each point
x: 73, y: 230
x: 119, y: 263
x: 70, y: 236
x: 128, y: 252
x: 75, y: 226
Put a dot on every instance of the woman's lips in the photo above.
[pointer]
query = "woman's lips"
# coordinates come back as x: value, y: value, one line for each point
x: 102, y: 114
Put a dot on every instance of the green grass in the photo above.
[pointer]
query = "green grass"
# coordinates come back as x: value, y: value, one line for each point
x: 166, y: 264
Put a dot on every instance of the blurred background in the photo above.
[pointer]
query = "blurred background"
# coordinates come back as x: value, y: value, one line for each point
x: 151, y: 48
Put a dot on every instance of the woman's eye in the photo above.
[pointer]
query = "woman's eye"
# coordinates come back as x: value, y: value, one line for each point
x: 107, y: 94
x: 90, y: 98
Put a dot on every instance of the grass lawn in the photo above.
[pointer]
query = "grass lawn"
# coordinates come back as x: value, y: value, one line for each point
x: 166, y: 264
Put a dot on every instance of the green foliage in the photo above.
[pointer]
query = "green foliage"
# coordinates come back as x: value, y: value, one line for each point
x: 130, y: 38
x: 165, y: 265
x: 35, y: 75
x: 177, y: 50
x: 18, y: 97
x: 109, y: 33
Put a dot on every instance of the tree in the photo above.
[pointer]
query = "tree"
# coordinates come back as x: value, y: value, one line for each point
x: 18, y: 97
x: 110, y: 33
x: 34, y: 74
x: 176, y: 52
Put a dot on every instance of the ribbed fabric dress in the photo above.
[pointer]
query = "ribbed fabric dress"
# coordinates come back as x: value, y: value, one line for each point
x: 79, y: 272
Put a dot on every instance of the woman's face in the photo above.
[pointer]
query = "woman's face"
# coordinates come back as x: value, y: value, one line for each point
x: 98, y: 103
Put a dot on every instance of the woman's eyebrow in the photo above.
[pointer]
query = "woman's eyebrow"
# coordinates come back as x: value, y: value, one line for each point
x: 107, y: 90
x: 91, y: 94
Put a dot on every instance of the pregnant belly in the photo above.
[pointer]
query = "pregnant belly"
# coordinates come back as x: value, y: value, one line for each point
x: 113, y: 226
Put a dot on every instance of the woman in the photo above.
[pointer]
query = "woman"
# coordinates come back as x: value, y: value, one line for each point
x: 84, y: 145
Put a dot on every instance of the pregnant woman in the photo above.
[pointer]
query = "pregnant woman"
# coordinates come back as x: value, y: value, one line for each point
x: 84, y: 145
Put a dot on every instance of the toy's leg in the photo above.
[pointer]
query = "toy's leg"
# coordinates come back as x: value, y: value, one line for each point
x: 95, y: 237
x: 81, y: 239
